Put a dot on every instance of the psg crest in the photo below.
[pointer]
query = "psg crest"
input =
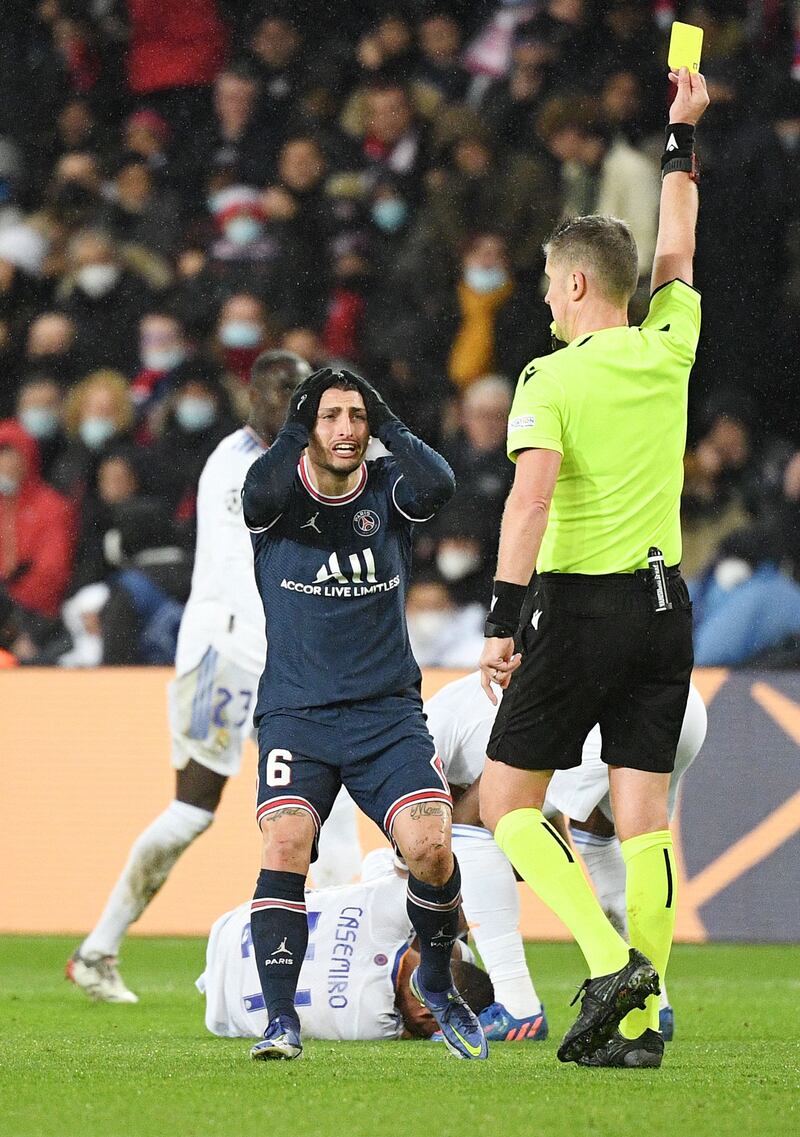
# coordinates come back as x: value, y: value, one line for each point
x: 366, y: 522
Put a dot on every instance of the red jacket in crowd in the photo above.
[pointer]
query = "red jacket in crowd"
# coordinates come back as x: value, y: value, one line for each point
x: 37, y: 533
x: 174, y: 43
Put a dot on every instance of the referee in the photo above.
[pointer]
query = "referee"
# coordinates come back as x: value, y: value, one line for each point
x: 597, y: 431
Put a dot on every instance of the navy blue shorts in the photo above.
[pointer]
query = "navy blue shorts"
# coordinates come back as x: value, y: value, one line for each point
x: 381, y: 750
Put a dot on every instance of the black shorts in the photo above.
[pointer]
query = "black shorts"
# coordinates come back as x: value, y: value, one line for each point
x: 596, y: 652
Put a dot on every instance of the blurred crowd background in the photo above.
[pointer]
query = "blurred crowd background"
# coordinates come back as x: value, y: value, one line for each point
x: 184, y: 183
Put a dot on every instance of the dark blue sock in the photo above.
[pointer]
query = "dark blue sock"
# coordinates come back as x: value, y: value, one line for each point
x: 279, y: 930
x: 434, y: 914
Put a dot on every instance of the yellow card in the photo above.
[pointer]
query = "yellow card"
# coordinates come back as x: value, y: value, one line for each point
x: 685, y: 46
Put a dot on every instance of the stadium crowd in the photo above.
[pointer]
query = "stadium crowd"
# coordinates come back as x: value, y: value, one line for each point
x: 185, y: 183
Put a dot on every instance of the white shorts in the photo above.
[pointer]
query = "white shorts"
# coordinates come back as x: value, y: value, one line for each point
x: 211, y: 714
x: 578, y: 791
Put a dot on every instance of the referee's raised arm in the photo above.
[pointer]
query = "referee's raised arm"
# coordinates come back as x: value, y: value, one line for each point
x: 677, y: 219
x: 598, y: 432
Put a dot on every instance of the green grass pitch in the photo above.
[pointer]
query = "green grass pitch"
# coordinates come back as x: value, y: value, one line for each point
x: 69, y: 1068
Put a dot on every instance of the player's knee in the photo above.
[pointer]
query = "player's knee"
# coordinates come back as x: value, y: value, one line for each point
x: 286, y: 847
x: 431, y: 863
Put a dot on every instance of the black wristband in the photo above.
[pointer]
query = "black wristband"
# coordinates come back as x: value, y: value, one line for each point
x: 504, y: 615
x: 679, y: 150
x: 678, y: 136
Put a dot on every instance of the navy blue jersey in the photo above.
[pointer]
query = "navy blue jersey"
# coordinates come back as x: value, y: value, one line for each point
x: 333, y: 575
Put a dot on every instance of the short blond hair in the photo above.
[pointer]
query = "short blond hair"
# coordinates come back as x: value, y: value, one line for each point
x: 105, y: 379
x: 605, y: 246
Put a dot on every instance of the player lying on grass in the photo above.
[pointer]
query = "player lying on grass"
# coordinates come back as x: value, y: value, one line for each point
x: 461, y: 722
x: 354, y: 981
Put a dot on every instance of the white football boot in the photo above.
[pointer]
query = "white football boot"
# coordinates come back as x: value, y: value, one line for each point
x: 98, y: 976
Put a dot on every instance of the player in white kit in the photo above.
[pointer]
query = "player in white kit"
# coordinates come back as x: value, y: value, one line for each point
x: 220, y: 658
x: 354, y: 979
x: 460, y: 722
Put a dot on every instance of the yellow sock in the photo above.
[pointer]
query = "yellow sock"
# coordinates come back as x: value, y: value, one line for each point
x: 545, y: 861
x: 650, y: 891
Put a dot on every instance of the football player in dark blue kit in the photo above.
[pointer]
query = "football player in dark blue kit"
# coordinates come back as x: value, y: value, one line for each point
x: 339, y: 700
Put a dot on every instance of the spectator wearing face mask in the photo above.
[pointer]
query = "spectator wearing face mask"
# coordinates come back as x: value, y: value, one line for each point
x: 36, y: 529
x: 197, y: 419
x: 105, y: 301
x: 163, y: 347
x: 98, y: 415
x: 442, y: 634
x: 251, y: 255
x: 485, y: 286
x: 244, y: 330
x: 39, y: 411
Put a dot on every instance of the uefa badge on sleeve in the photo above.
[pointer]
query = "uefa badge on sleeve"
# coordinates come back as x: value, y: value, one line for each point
x: 366, y: 523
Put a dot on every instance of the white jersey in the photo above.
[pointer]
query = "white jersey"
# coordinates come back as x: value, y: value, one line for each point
x: 358, y: 934
x: 460, y: 718
x: 224, y: 609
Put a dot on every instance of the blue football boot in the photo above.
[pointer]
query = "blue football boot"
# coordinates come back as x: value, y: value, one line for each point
x: 499, y: 1025
x: 281, y: 1040
x: 666, y: 1023
x: 462, y: 1033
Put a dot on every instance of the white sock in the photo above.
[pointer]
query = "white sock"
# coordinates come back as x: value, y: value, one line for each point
x: 603, y: 859
x: 339, y: 859
x: 491, y: 904
x: 149, y: 863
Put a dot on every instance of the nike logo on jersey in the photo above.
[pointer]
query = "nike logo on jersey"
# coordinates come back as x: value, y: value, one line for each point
x: 535, y: 618
x: 312, y: 524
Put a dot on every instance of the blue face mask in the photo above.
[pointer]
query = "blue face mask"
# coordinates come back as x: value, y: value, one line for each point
x: 194, y: 413
x: 157, y: 359
x: 243, y: 230
x: 389, y: 214
x: 240, y: 333
x: 40, y: 422
x: 96, y: 431
x: 485, y: 280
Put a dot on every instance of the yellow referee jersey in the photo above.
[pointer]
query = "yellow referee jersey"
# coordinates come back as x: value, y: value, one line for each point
x: 613, y: 403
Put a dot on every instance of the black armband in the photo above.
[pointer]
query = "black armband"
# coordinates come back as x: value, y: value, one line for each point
x: 504, y: 614
x: 679, y: 151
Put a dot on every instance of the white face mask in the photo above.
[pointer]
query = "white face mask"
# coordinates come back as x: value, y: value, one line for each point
x: 95, y: 431
x: 427, y: 628
x: 162, y: 359
x: 8, y: 486
x: 97, y: 280
x: 40, y: 422
x: 455, y: 564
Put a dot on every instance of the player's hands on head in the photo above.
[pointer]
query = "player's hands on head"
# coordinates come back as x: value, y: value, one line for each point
x: 304, y: 403
x: 379, y: 413
x: 691, y: 99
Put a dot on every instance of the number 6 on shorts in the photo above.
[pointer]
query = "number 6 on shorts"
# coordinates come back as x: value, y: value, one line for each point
x: 279, y: 772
